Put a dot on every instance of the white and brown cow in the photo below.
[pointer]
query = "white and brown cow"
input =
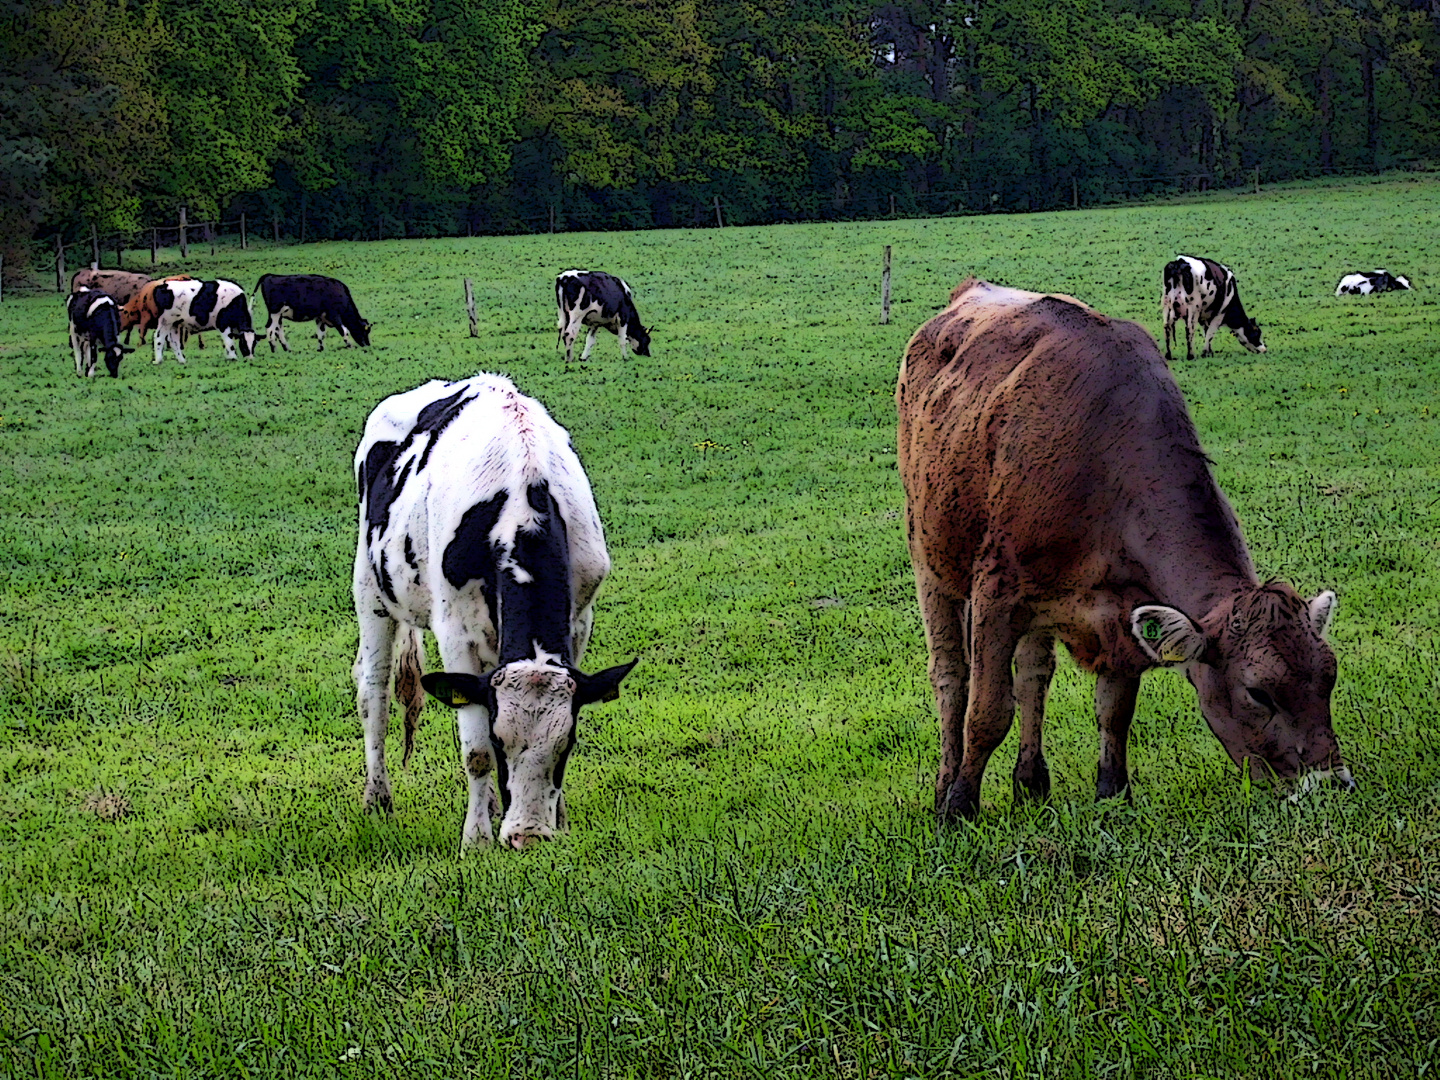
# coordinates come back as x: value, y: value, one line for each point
x: 119, y: 285
x: 188, y: 307
x: 1203, y: 292
x: 94, y: 331
x: 1056, y: 490
x: 477, y: 521
x: 1376, y: 281
x: 592, y: 299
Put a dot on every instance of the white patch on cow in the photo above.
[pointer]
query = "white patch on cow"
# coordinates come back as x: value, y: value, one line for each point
x: 1312, y: 780
x: 96, y: 304
x: 1354, y: 285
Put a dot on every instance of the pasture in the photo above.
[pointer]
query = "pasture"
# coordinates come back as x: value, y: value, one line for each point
x: 753, y: 883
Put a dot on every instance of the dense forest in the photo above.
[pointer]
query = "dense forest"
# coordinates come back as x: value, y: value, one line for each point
x: 361, y: 118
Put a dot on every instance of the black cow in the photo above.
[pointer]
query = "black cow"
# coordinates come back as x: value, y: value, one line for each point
x: 310, y: 298
x: 95, y: 330
x: 1203, y: 292
x: 1364, y: 284
x: 593, y: 299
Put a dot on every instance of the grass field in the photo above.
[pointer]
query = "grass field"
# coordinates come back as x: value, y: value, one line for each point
x: 754, y: 883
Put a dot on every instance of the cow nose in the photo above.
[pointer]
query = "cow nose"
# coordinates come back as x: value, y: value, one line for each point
x: 1342, y: 779
x: 520, y: 841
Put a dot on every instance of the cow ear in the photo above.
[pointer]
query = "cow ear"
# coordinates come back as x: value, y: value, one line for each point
x: 1322, y: 610
x: 455, y: 690
x: 1166, y: 635
x: 126, y: 349
x: 603, y: 685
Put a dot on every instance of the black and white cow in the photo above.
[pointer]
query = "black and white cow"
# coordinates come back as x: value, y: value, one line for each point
x: 593, y: 299
x: 1363, y: 284
x: 188, y: 307
x: 477, y: 521
x: 95, y: 331
x: 1203, y: 292
x: 306, y: 298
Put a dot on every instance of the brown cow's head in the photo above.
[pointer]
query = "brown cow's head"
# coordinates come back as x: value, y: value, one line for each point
x: 1263, y: 674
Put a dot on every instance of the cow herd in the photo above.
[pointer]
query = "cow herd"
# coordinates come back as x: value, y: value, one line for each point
x: 103, y: 304
x: 1056, y: 492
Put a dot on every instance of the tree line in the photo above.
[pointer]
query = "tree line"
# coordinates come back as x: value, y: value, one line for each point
x: 364, y: 118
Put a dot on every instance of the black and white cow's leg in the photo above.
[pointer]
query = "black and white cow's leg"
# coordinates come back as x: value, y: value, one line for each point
x: 272, y: 330
x: 229, y: 343
x: 458, y: 654
x: 372, y: 687
x: 320, y: 334
x: 1034, y: 668
x: 1167, y: 315
x: 589, y: 342
x: 1192, y: 319
x: 1210, y: 338
x: 75, y: 347
x: 1115, y: 699
x: 568, y: 336
x: 168, y: 335
x: 624, y: 343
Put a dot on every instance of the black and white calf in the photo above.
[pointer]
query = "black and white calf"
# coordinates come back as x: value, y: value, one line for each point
x: 188, y: 307
x: 310, y: 298
x: 1363, y: 284
x: 477, y: 521
x: 95, y: 331
x: 592, y: 299
x: 1203, y: 292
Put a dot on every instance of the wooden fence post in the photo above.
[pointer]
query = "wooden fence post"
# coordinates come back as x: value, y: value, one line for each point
x: 470, y: 309
x: 153, y: 244
x: 210, y: 228
x: 94, y: 247
x: 1257, y: 179
x: 1075, y: 191
x: 59, y: 263
x: 184, y: 245
x: 892, y: 204
x: 719, y: 224
x: 885, y: 289
x: 244, y: 243
x: 119, y: 252
x: 277, y: 226
x: 552, y: 217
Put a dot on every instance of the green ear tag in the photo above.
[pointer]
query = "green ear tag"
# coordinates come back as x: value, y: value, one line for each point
x: 1150, y: 629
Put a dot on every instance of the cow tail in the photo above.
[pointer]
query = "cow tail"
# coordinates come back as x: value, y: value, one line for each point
x: 407, y: 683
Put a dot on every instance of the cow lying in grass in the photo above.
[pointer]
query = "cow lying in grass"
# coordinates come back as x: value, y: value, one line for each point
x: 476, y: 520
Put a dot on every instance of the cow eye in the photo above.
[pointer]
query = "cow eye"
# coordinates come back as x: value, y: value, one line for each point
x: 1261, y: 698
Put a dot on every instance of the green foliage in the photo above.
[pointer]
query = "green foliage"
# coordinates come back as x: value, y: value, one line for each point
x: 754, y: 883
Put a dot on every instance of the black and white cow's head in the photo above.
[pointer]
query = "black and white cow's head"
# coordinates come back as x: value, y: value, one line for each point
x: 1248, y: 334
x: 639, y: 339
x: 533, y: 706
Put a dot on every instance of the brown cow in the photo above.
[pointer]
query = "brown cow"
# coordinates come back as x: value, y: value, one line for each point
x: 1056, y: 491
x: 143, y: 312
x: 119, y: 285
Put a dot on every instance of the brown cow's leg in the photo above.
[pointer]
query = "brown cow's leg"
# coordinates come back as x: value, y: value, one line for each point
x: 1114, y: 709
x: 947, y: 638
x: 991, y: 706
x: 1034, y: 668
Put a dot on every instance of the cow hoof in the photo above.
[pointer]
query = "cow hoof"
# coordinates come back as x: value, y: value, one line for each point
x: 957, y: 803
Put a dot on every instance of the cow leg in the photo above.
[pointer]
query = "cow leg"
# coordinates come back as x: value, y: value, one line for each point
x: 1168, y: 315
x: 1210, y: 338
x: 280, y: 333
x: 272, y: 330
x: 624, y: 344
x: 458, y: 654
x: 589, y: 342
x: 229, y: 343
x: 372, y: 686
x: 75, y: 347
x: 990, y: 709
x: 1191, y: 320
x: 1115, y: 698
x: 947, y: 640
x: 407, y: 683
x: 320, y: 334
x: 1034, y: 668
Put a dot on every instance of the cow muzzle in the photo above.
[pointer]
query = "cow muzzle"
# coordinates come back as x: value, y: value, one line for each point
x: 1335, y: 778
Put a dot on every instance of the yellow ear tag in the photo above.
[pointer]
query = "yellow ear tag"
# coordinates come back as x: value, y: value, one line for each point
x: 457, y: 698
x: 1172, y: 656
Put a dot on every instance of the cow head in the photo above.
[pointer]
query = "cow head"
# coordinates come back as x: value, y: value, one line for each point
x: 533, y: 707
x: 639, y: 339
x: 361, y: 334
x: 113, y: 355
x: 1248, y: 335
x: 1263, y: 673
x: 245, y: 339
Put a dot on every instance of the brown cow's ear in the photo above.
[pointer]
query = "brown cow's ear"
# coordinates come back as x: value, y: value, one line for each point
x: 1167, y: 635
x: 1322, y: 610
x: 454, y: 690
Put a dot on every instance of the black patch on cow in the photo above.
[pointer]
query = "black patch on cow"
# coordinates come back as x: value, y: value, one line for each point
x: 164, y: 298
x: 410, y: 559
x: 382, y: 575
x: 470, y: 554
x: 435, y: 418
x: 501, y: 776
x: 378, y: 487
x: 234, y: 315
x: 537, y: 610
x: 203, y: 305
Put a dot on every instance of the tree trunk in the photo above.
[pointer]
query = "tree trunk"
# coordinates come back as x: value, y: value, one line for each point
x: 1372, y: 112
x: 1323, y: 80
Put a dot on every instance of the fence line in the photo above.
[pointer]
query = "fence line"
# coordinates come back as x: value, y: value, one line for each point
x: 825, y: 205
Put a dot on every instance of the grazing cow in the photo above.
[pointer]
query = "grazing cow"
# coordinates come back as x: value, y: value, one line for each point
x: 192, y: 306
x: 1056, y: 490
x: 476, y: 520
x: 95, y: 331
x: 119, y: 285
x: 307, y: 297
x: 593, y: 300
x: 1203, y: 292
x: 140, y: 310
x: 1363, y: 284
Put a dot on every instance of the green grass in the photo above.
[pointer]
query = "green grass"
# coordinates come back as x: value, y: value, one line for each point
x: 753, y: 884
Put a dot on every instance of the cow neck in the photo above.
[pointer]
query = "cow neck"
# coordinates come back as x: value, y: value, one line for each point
x: 534, y: 585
